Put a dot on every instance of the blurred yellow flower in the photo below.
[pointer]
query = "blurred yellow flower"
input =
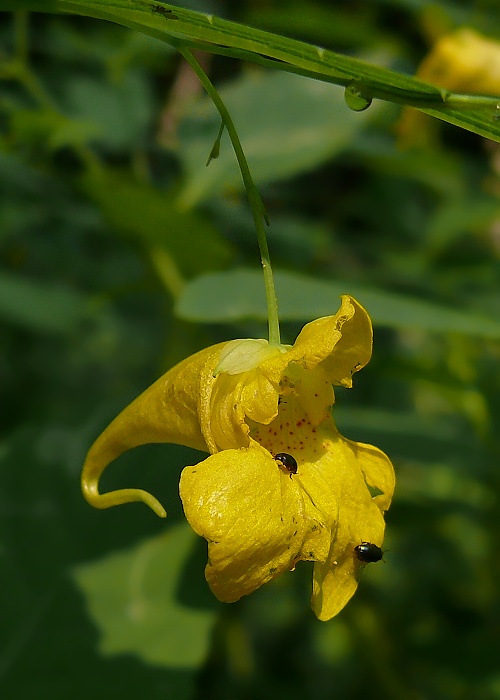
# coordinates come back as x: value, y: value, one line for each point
x: 464, y: 61
x: 281, y: 484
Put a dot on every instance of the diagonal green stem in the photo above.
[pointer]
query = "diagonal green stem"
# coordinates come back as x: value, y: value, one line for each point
x: 189, y: 29
x: 258, y: 211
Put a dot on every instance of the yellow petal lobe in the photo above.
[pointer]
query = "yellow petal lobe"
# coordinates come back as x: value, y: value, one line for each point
x: 340, y: 344
x: 378, y: 472
x: 253, y: 516
x: 359, y: 520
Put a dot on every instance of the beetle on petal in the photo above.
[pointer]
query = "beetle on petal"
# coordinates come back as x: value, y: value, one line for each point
x: 368, y: 553
x: 288, y: 462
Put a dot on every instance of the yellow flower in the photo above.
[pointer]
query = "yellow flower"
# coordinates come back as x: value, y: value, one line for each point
x: 463, y: 61
x: 281, y: 484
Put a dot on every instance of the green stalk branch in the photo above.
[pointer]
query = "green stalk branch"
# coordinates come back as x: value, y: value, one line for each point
x: 256, y: 205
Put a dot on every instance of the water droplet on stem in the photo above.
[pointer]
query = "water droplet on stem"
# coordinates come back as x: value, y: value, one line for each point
x: 357, y: 97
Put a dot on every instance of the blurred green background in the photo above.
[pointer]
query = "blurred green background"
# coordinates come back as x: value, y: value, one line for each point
x: 121, y: 253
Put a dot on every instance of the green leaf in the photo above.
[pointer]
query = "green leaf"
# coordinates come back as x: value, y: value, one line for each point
x: 458, y: 216
x: 120, y: 111
x: 51, y: 129
x: 45, y: 528
x: 38, y: 306
x: 239, y: 294
x: 132, y: 597
x: 181, y: 27
x: 299, y: 124
x: 146, y: 213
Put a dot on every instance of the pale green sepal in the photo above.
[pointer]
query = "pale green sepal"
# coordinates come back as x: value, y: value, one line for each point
x: 244, y: 355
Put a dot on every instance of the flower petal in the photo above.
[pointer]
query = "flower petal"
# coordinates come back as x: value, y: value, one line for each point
x: 335, y: 581
x: 378, y: 471
x: 464, y: 61
x: 235, y: 398
x: 359, y: 520
x: 255, y: 519
x: 341, y: 344
x: 354, y: 349
x: 311, y: 390
x: 168, y: 411
x: 223, y: 416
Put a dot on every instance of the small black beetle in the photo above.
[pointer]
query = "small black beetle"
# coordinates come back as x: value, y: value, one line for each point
x: 288, y: 462
x: 368, y: 552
